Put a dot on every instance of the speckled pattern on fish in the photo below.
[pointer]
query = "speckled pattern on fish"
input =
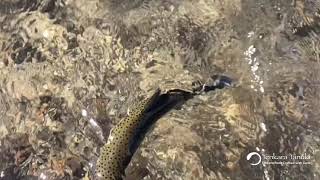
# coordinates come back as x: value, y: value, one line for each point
x: 115, y: 153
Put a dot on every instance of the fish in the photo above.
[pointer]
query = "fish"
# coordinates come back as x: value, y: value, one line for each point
x: 125, y: 137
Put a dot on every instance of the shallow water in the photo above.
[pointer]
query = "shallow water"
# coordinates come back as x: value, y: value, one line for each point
x: 70, y: 70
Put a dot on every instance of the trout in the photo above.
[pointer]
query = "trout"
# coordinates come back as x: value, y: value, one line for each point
x: 123, y: 140
x: 126, y: 136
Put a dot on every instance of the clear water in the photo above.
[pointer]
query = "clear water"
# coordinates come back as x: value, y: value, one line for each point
x: 69, y: 71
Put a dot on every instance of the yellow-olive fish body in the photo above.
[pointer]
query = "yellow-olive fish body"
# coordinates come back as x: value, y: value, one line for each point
x: 116, y: 153
x: 126, y: 136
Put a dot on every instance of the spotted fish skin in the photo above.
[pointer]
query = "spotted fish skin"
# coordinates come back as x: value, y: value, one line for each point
x: 114, y: 154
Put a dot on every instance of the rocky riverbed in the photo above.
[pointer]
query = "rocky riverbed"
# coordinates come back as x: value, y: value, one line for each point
x: 71, y: 69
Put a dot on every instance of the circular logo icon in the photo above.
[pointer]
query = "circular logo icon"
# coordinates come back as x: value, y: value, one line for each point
x: 250, y: 155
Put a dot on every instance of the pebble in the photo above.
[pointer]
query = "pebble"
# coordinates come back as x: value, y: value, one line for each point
x: 263, y: 127
x: 45, y: 34
x: 45, y: 87
x: 22, y: 87
x: 2, y: 65
x: 250, y: 34
x: 84, y: 113
x: 42, y: 176
x: 254, y: 66
x: 93, y: 122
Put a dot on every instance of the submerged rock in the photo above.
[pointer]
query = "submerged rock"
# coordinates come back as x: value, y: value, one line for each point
x: 61, y: 57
